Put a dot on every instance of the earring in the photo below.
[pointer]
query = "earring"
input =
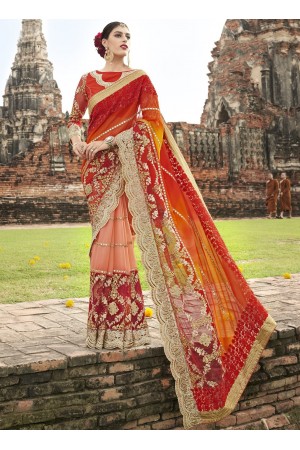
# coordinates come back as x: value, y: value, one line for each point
x: 108, y: 55
x: 128, y: 60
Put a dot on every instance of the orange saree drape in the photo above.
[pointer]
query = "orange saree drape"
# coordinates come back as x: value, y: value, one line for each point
x: 213, y: 327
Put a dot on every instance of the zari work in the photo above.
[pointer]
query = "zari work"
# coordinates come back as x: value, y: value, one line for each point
x: 213, y: 327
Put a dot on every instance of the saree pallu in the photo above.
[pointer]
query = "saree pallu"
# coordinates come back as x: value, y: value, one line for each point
x: 213, y: 327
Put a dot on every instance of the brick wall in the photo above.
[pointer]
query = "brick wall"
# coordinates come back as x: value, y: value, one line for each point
x: 85, y: 389
x: 31, y: 193
x: 29, y: 210
x: 34, y: 190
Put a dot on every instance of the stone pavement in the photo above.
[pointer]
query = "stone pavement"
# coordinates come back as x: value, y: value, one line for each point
x: 42, y: 330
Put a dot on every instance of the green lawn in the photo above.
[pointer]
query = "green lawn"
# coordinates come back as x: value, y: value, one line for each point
x: 261, y: 247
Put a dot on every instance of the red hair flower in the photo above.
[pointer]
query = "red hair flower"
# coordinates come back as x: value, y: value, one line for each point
x: 98, y: 44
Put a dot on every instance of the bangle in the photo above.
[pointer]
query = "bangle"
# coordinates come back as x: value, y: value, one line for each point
x: 109, y: 140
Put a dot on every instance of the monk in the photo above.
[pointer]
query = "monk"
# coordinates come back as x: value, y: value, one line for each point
x: 285, y: 196
x: 272, y: 189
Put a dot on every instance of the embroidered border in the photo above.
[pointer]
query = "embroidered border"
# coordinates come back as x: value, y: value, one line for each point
x: 107, y: 205
x: 146, y: 241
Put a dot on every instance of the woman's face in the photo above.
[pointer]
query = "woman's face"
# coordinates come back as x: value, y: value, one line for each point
x: 118, y: 41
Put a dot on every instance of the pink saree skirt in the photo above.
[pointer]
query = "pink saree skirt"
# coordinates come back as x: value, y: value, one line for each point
x: 116, y: 309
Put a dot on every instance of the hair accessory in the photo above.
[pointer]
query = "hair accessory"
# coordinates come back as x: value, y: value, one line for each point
x: 98, y: 44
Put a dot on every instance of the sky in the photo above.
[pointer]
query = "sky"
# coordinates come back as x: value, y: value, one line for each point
x: 171, y: 40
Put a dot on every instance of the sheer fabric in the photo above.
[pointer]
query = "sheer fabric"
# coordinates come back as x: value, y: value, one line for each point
x: 213, y: 327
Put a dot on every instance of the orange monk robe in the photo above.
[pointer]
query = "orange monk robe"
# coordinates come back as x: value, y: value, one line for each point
x: 285, y: 195
x: 272, y: 189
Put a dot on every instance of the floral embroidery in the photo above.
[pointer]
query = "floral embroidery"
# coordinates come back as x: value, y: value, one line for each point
x: 116, y: 312
x: 213, y: 327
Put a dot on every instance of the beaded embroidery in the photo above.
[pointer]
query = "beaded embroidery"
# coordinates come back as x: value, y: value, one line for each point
x: 99, y: 78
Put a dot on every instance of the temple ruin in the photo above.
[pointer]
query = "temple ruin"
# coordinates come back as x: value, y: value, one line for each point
x: 251, y: 119
x: 32, y: 99
x: 249, y: 127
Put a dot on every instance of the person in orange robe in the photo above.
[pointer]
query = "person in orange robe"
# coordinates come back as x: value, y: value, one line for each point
x: 285, y: 196
x: 272, y: 189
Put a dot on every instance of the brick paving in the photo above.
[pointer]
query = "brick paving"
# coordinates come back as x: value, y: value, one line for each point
x: 47, y: 329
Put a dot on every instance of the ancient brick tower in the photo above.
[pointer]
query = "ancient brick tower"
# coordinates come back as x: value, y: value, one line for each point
x: 251, y: 119
x: 32, y: 99
x: 254, y: 95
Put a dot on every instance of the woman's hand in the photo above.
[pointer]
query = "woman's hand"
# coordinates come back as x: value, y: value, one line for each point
x: 93, y: 148
x: 79, y: 148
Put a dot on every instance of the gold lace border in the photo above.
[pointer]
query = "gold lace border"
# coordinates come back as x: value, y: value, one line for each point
x: 149, y: 253
x: 242, y: 379
x: 107, y: 205
x: 121, y: 339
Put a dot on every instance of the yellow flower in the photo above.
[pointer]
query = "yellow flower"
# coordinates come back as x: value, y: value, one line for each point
x: 241, y: 269
x: 69, y: 303
x: 31, y: 262
x: 66, y: 265
x: 66, y: 277
x: 46, y: 244
x: 87, y: 245
x: 36, y: 258
x: 148, y: 312
x: 287, y: 275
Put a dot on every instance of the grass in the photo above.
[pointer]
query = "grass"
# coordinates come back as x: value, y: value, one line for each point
x: 261, y: 247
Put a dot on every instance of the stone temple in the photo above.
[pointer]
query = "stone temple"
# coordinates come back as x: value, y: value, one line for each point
x: 250, y: 126
x: 32, y: 99
x: 251, y: 119
x: 255, y: 91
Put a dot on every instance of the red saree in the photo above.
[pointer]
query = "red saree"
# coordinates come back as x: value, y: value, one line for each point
x: 212, y: 326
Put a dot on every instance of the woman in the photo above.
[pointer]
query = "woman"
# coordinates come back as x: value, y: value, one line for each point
x: 213, y: 327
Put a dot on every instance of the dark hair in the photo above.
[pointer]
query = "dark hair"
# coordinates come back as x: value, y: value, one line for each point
x: 104, y: 35
x: 109, y: 27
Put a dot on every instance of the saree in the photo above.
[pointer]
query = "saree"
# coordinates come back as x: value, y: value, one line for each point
x: 212, y: 326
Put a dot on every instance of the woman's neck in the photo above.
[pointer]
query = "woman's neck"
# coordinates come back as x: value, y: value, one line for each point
x: 115, y: 66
